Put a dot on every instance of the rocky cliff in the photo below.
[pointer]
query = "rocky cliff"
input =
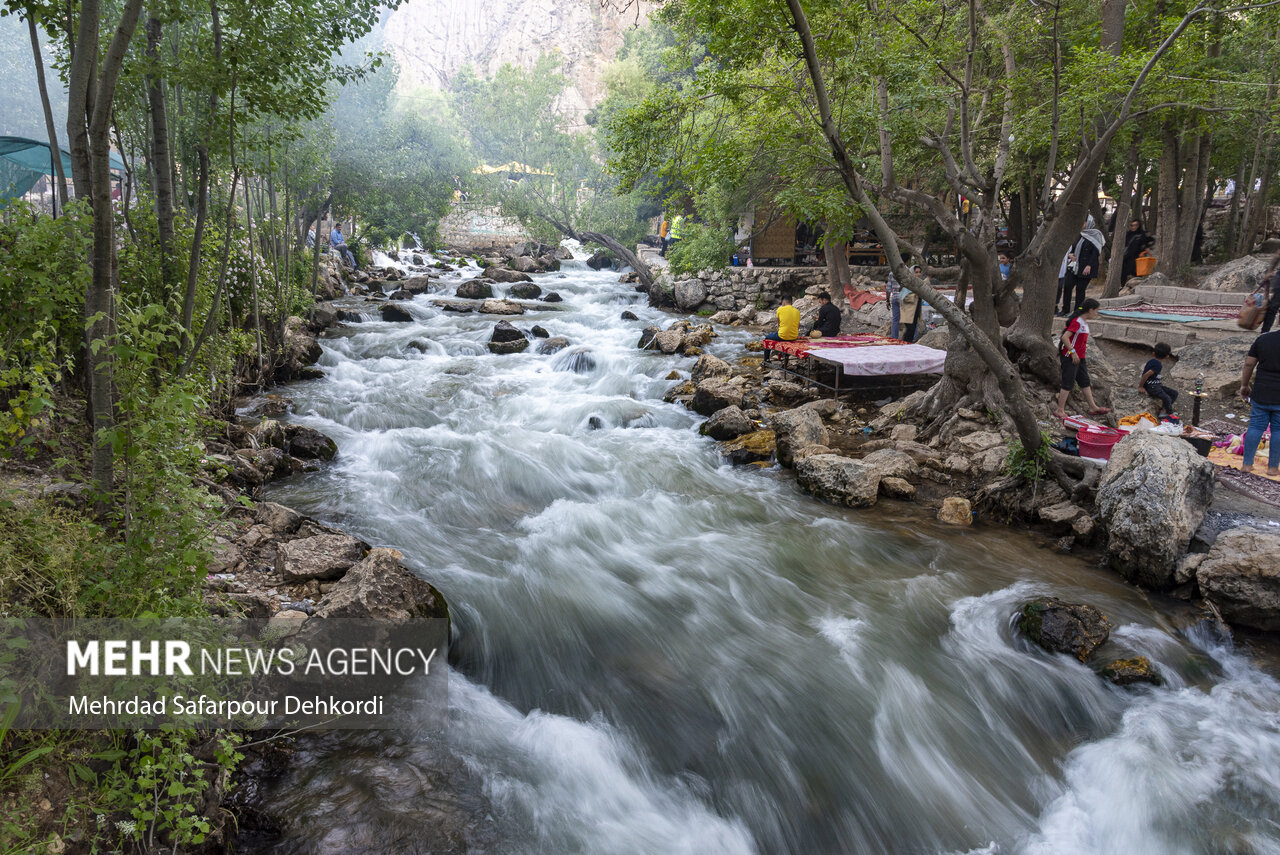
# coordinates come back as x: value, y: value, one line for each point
x: 432, y: 39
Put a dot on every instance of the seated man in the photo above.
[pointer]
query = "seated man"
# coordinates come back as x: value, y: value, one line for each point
x: 339, y: 244
x: 788, y: 325
x: 827, y: 323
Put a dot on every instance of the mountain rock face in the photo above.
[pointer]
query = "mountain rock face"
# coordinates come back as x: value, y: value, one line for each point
x: 432, y: 39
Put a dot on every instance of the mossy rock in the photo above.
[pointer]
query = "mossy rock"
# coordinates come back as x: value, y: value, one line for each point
x: 757, y: 447
x: 1076, y: 629
x: 1136, y: 669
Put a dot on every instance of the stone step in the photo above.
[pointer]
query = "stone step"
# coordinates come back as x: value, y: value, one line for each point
x: 1147, y: 333
x: 1171, y: 295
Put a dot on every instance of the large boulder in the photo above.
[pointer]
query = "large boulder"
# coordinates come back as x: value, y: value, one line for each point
x: 1219, y: 361
x: 797, y: 429
x: 1241, y: 576
x: 714, y: 394
x: 322, y: 557
x: 416, y: 284
x: 308, y: 443
x: 891, y: 463
x: 381, y: 588
x: 600, y: 260
x: 837, y: 479
x: 505, y: 276
x: 300, y: 350
x: 506, y: 339
x: 323, y: 316
x: 755, y: 447
x: 501, y: 307
x: 669, y: 341
x: 729, y: 423
x: 710, y: 366
x: 1242, y: 274
x: 395, y: 314
x: 1152, y: 497
x: 524, y: 291
x: 525, y: 264
x: 690, y: 293
x: 1076, y: 629
x: 475, y: 289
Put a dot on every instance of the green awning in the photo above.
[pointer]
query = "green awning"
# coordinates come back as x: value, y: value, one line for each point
x: 23, y: 161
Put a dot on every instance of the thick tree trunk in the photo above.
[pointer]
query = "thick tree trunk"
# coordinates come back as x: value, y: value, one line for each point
x: 51, y: 128
x: 1170, y: 170
x: 642, y: 270
x: 1119, y: 237
x: 162, y: 175
x: 1233, y: 215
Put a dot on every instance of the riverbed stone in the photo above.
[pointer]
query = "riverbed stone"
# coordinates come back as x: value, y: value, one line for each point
x: 690, y: 293
x: 891, y: 463
x: 475, y: 289
x: 379, y: 587
x: 1127, y: 672
x: 309, y: 443
x: 395, y: 314
x: 796, y: 429
x: 710, y: 366
x: 1241, y: 576
x: 539, y: 331
x: 956, y: 510
x: 553, y: 345
x: 837, y: 479
x: 504, y: 275
x: 1076, y: 629
x: 715, y: 394
x: 669, y: 341
x: 400, y: 294
x: 897, y: 488
x: 524, y: 291
x: 506, y: 339
x: 1153, y: 496
x: 756, y: 447
x: 278, y: 518
x: 726, y: 424
x: 647, y: 335
x: 321, y: 556
x: 629, y: 316
x: 501, y: 307
x: 269, y: 433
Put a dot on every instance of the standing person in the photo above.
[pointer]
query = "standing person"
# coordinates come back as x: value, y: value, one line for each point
x: 1006, y: 266
x: 1151, y: 383
x: 788, y: 325
x: 1135, y: 241
x: 663, y: 230
x: 913, y: 307
x: 1273, y: 293
x: 1062, y: 279
x: 827, y: 324
x: 677, y: 230
x: 1071, y: 356
x: 1082, y: 266
x: 339, y: 243
x: 1264, y: 400
x: 893, y: 290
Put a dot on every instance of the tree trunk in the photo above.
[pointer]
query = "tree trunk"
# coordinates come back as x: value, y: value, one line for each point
x: 197, y: 245
x: 55, y: 152
x: 642, y: 270
x: 163, y: 177
x: 1170, y: 168
x: 1233, y: 216
x: 1119, y: 237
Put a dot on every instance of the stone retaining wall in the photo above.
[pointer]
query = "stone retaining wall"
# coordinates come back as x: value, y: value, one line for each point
x: 741, y: 287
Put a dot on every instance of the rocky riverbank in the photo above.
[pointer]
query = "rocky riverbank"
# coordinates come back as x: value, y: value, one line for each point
x: 1146, y: 513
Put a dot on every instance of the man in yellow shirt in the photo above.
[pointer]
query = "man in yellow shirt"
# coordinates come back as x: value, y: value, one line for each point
x: 788, y: 325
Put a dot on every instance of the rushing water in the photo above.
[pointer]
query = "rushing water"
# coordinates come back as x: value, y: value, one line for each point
x: 659, y: 653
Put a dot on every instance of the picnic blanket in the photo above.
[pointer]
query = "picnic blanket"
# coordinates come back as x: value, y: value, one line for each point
x: 859, y: 298
x: 1182, y: 314
x: 801, y: 346
x: 883, y: 361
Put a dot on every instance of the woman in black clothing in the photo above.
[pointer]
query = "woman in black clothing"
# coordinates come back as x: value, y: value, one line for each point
x: 1135, y: 241
x: 1082, y: 267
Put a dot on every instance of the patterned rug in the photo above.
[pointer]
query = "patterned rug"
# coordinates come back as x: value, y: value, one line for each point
x: 1221, y: 313
x: 1260, y: 487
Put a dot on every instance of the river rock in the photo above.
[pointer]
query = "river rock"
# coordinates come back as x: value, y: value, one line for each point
x: 524, y: 291
x: 725, y: 316
x: 1153, y: 496
x: 395, y: 314
x: 505, y: 276
x: 891, y: 463
x: 475, y: 289
x: 300, y: 349
x: 1126, y: 672
x: 1240, y: 274
x: 321, y: 556
x: 955, y: 510
x: 710, y: 366
x: 278, y: 518
x: 501, y: 307
x: 629, y: 316
x: 599, y: 260
x: 539, y: 332
x: 322, y: 316
x: 796, y: 429
x: 647, y: 335
x: 903, y: 433
x: 552, y: 297
x: 553, y: 344
x: 455, y: 305
x: 690, y: 293
x: 837, y: 479
x: 698, y: 336
x: 978, y: 442
x: 669, y: 341
x: 755, y: 447
x: 309, y: 443
x: 1241, y: 576
x: 507, y: 339
x: 525, y: 264
x: 268, y: 433
x: 1220, y: 361
x: 785, y: 393
x: 400, y: 295
x: 1076, y: 629
x: 715, y: 394
x: 726, y: 424
x: 381, y: 588
x: 897, y: 488
x: 416, y: 284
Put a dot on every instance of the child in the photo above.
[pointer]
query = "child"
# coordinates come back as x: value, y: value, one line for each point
x: 1071, y: 355
x: 1151, y: 380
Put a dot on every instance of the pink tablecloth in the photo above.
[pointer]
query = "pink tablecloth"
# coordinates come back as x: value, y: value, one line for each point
x: 882, y: 361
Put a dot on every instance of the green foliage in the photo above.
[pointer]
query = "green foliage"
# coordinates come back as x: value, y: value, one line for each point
x: 702, y: 248
x: 42, y: 285
x: 1031, y: 467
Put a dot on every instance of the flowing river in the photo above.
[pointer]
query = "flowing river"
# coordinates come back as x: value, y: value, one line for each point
x: 658, y: 653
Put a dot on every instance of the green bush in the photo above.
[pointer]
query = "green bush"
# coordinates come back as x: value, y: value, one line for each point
x: 702, y: 248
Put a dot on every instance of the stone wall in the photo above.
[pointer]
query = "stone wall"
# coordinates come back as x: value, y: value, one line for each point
x: 471, y: 228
